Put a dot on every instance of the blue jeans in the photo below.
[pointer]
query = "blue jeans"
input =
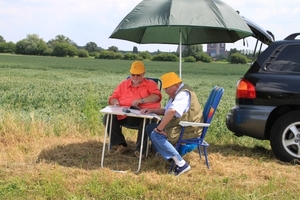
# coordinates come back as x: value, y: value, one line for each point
x: 161, y: 143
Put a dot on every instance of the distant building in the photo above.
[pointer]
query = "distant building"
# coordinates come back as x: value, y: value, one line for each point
x: 216, y: 49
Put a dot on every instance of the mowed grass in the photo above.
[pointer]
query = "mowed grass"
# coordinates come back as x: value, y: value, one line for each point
x: 51, y: 137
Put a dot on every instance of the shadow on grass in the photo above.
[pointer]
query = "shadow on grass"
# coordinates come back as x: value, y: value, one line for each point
x: 87, y: 155
x: 256, y: 152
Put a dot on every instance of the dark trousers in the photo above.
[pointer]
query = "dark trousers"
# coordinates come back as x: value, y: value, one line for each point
x: 117, y: 136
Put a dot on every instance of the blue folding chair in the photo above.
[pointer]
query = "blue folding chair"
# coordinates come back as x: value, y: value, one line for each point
x: 208, y: 113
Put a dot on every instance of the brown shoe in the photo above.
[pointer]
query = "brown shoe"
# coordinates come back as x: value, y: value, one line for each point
x: 137, y: 154
x: 121, y: 149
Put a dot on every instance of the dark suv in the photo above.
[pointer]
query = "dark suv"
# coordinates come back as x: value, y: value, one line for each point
x: 268, y: 99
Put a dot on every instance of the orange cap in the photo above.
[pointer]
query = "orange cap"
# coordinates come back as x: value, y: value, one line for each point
x: 137, y: 67
x: 169, y: 79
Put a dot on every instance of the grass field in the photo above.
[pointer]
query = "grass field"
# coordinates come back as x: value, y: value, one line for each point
x: 51, y: 137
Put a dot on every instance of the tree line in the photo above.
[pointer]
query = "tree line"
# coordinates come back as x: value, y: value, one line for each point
x: 62, y: 46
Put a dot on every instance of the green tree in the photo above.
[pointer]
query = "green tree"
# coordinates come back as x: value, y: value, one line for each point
x: 2, y: 39
x: 113, y: 48
x: 189, y: 59
x: 92, y: 47
x: 237, y: 58
x: 48, y: 51
x: 61, y: 39
x: 31, y: 45
x: 7, y: 47
x: 192, y: 50
x: 64, y: 49
x: 105, y: 54
x: 131, y: 56
x: 145, y: 55
x: 82, y: 53
x: 204, y: 57
x: 165, y: 57
x: 135, y: 50
x: 221, y: 57
x: 231, y: 51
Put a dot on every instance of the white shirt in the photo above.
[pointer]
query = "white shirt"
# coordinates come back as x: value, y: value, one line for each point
x: 181, y: 103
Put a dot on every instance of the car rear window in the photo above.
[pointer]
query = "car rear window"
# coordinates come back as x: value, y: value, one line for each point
x: 287, y: 61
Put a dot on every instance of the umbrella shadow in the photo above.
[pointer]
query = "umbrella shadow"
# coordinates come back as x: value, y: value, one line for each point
x: 87, y: 155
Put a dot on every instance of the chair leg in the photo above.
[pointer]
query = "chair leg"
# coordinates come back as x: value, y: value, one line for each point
x: 199, y: 150
x: 206, y: 157
x: 172, y: 165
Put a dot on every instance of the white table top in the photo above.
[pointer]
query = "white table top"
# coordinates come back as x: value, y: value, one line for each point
x: 118, y: 110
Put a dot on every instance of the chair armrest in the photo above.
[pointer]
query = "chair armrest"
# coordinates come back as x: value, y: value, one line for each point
x: 185, y: 123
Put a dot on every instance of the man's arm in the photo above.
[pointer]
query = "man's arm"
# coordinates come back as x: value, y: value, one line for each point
x: 166, y: 119
x: 149, y: 99
x: 158, y: 111
x: 118, y: 91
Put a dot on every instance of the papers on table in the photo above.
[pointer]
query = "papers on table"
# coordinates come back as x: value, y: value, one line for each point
x: 137, y: 112
x: 118, y: 110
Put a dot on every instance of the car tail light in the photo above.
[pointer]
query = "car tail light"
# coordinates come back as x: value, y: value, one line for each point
x: 245, y: 89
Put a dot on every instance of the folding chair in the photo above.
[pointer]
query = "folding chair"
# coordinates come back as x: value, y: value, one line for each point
x: 208, y: 113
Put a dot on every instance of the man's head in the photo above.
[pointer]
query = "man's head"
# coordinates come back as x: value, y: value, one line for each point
x: 170, y: 83
x: 137, y: 72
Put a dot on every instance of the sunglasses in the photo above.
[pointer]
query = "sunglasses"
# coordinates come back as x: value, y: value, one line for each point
x: 137, y: 75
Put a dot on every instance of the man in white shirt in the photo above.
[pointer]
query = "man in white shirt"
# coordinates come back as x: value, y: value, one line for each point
x: 182, y: 105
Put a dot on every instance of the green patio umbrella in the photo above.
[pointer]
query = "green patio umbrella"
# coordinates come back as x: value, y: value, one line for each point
x: 182, y: 22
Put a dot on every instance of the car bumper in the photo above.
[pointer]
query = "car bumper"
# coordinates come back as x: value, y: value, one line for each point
x: 248, y: 120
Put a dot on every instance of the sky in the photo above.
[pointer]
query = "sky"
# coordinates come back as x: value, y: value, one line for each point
x: 95, y: 20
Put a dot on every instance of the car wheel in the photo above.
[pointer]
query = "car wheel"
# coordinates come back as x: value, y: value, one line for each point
x: 285, y: 137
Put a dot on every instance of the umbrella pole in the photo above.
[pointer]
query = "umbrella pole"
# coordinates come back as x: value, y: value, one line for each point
x: 180, y: 51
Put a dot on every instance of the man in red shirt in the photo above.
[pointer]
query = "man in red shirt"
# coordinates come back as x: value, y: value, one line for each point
x: 134, y: 91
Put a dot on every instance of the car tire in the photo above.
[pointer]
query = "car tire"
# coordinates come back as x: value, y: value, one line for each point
x: 285, y: 137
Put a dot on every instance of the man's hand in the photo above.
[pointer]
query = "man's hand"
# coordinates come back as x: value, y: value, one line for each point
x: 145, y: 111
x: 137, y: 102
x: 114, y: 102
x: 160, y: 132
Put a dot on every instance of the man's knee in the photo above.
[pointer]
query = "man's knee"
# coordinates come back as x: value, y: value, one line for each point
x: 150, y: 128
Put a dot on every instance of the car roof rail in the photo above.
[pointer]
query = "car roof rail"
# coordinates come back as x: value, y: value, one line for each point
x: 292, y: 36
x: 270, y: 33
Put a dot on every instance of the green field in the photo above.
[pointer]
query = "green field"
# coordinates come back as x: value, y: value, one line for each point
x: 51, y: 137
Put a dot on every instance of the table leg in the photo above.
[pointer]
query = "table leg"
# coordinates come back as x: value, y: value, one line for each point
x: 104, y: 141
x: 141, y: 148
x: 110, y: 116
x: 110, y: 127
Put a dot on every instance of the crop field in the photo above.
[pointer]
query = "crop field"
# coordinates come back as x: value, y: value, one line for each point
x: 51, y: 136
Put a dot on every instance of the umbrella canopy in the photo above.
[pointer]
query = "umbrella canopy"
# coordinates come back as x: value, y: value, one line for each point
x: 183, y: 22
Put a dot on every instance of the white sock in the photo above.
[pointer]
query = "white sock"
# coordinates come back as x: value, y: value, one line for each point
x: 179, y: 163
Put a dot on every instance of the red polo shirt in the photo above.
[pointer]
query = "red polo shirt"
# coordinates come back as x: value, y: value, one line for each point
x: 126, y: 93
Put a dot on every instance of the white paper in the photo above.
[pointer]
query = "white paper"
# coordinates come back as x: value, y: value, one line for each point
x: 137, y: 112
